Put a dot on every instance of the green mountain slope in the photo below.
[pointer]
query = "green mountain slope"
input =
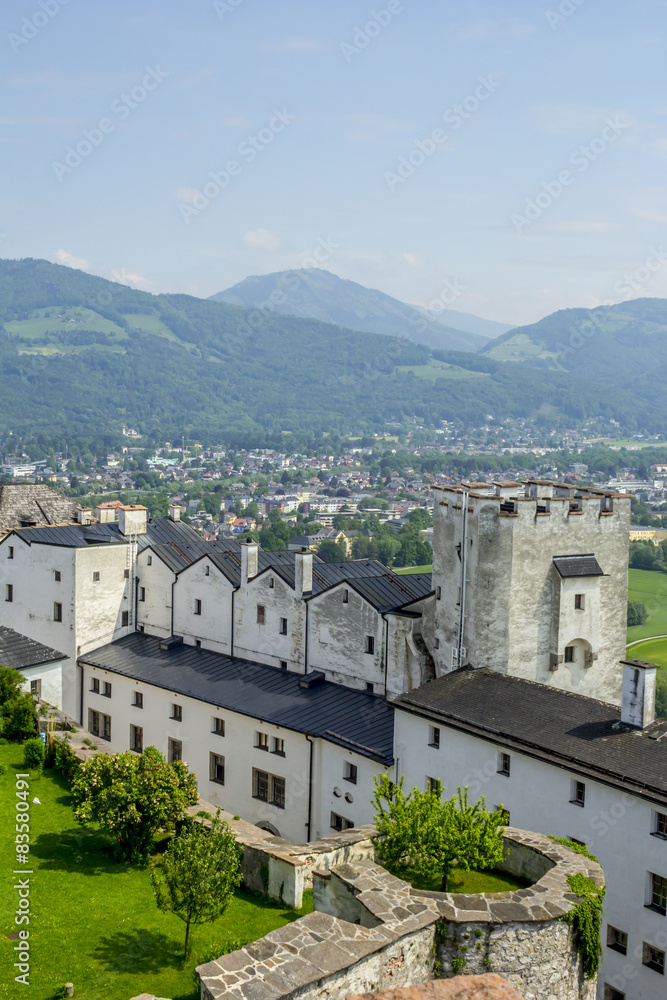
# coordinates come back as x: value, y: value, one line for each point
x: 81, y: 355
x: 318, y: 294
x: 622, y: 345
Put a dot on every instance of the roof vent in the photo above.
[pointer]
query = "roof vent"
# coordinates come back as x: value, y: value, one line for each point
x: 171, y: 642
x: 312, y: 680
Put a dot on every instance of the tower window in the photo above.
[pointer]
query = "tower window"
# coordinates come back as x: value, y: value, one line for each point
x: 569, y: 654
x: 579, y: 602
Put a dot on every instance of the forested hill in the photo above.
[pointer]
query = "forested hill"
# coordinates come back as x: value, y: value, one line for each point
x: 316, y: 294
x: 622, y: 345
x: 79, y: 354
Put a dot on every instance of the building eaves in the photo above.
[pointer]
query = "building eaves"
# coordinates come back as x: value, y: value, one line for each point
x: 20, y: 651
x: 569, y: 566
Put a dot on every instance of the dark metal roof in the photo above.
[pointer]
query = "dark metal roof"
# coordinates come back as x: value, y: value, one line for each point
x: 568, y: 730
x: 349, y: 718
x: 578, y: 565
x: 391, y: 591
x: 20, y: 651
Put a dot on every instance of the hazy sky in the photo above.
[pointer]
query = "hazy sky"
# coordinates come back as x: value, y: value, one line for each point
x: 512, y: 153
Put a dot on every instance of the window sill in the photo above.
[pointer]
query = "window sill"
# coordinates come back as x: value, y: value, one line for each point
x: 653, y: 967
x: 214, y: 732
x: 278, y: 753
x: 260, y: 798
x: 258, y: 747
x: 656, y: 909
x: 136, y: 749
x: 278, y: 805
x: 434, y: 746
x: 619, y: 948
x: 174, y: 718
x: 574, y: 802
x: 660, y: 836
x: 506, y: 774
x: 217, y: 781
x: 352, y: 781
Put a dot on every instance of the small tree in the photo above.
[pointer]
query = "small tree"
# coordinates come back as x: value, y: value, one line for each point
x: 637, y: 613
x: 198, y: 873
x: 420, y: 836
x: 131, y: 796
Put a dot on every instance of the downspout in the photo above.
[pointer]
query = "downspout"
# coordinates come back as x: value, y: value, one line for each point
x: 80, y: 695
x: 305, y: 651
x: 173, y: 584
x: 386, y: 652
x: 310, y: 789
x: 231, y: 649
x: 136, y: 603
x: 464, y: 560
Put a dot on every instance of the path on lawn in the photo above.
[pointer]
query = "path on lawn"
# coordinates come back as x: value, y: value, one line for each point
x: 647, y: 638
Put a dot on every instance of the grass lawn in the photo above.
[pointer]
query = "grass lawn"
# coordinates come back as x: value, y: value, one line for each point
x: 413, y: 569
x: 650, y: 589
x: 94, y: 922
x: 469, y: 882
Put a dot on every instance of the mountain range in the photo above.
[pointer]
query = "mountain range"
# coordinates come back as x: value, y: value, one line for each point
x: 317, y: 294
x: 82, y: 355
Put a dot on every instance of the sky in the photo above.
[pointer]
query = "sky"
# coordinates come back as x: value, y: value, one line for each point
x: 501, y: 158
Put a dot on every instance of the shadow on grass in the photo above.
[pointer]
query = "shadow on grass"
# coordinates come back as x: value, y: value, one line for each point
x: 77, y: 850
x: 139, y: 951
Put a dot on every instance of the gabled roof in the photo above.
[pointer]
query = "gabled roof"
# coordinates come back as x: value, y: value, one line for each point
x: 568, y: 730
x: 577, y: 566
x: 352, y: 719
x: 19, y: 651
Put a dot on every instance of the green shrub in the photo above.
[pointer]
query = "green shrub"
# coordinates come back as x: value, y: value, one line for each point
x: 65, y: 761
x: 3, y: 768
x: 34, y: 754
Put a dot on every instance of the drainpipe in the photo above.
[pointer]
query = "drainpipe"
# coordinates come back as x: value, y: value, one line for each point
x: 310, y: 788
x: 231, y: 649
x: 464, y: 561
x: 305, y: 651
x: 386, y: 653
x: 173, y: 584
x: 80, y: 695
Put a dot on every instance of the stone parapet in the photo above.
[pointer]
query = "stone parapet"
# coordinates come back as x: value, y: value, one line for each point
x: 486, y: 987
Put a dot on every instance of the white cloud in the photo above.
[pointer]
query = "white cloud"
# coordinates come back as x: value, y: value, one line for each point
x: 80, y: 263
x: 125, y: 277
x: 262, y: 239
x: 415, y: 260
x: 185, y: 194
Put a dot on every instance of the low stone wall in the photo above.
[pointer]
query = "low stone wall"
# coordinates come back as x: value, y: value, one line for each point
x: 373, y: 931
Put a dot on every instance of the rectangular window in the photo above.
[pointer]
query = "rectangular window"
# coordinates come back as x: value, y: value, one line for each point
x: 56, y: 575
x: 10, y: 552
x: 95, y: 685
x: 57, y: 612
x: 126, y: 574
x: 278, y: 792
x: 216, y: 768
x: 176, y: 713
x: 346, y: 597
x: 432, y: 784
x: 434, y: 737
x: 149, y: 560
x: 218, y: 726
x: 36, y: 688
x: 272, y: 583
x: 106, y: 727
x: 579, y: 602
x: 138, y: 700
x: 136, y: 739
x: 658, y: 898
x: 653, y: 958
x: 617, y: 940
x: 350, y: 772
x: 339, y: 823
x: 283, y: 626
x: 611, y: 993
x: 369, y: 644
x: 198, y: 643
x: 660, y: 825
x: 578, y: 793
x: 504, y: 761
x: 9, y: 592
x: 260, y: 614
x: 106, y: 689
x: 124, y: 619
x: 197, y: 607
x: 283, y: 664
x: 438, y: 593
x: 260, y: 785
x: 142, y: 593
x: 207, y: 570
x: 278, y: 746
x: 174, y: 750
x: 370, y: 687
x: 93, y: 722
x: 569, y: 654
x: 96, y: 577
x: 262, y: 741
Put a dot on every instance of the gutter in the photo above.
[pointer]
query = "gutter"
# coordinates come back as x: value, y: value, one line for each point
x: 310, y: 788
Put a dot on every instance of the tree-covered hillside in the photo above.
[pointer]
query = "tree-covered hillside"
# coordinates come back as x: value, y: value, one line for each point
x: 79, y: 354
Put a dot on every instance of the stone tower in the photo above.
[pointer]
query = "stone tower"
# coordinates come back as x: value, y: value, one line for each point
x: 532, y: 582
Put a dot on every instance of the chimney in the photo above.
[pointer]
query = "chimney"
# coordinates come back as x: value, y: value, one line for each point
x: 174, y: 512
x: 303, y: 572
x: 638, y: 706
x: 106, y: 514
x: 84, y: 515
x: 132, y: 519
x: 249, y: 550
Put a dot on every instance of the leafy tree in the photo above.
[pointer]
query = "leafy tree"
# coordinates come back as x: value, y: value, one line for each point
x: 211, y: 504
x: 198, y: 873
x: 661, y: 695
x: 18, y: 718
x: 420, y: 518
x: 421, y: 836
x: 252, y: 510
x: 131, y: 796
x: 646, y: 555
x: 637, y: 613
x: 331, y: 552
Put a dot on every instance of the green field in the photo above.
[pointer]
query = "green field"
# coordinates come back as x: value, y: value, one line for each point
x: 650, y: 589
x: 517, y: 348
x: 412, y: 569
x: 439, y: 369
x: 94, y: 922
x: 57, y: 319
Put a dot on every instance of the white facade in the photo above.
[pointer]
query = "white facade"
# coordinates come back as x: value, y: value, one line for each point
x: 195, y: 732
x: 615, y: 825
